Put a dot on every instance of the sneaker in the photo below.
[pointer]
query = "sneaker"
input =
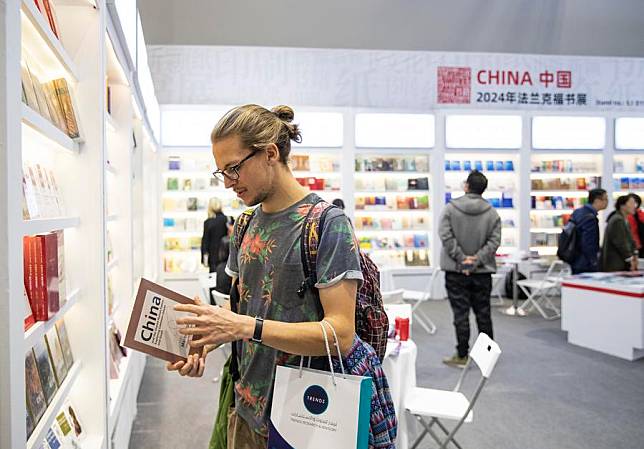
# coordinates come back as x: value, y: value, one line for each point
x: 456, y: 361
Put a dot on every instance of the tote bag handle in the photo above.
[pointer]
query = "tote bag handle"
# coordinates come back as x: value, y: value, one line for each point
x: 328, y: 350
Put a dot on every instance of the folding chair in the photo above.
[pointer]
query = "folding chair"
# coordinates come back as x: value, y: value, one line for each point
x: 416, y: 298
x: 441, y: 404
x: 538, y: 291
x: 498, y: 279
x: 393, y: 296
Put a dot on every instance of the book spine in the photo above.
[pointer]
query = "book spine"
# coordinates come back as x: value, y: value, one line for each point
x: 50, y: 250
x: 41, y: 281
x: 50, y: 17
x: 62, y: 286
x: 62, y: 91
x: 38, y: 5
x: 29, y: 276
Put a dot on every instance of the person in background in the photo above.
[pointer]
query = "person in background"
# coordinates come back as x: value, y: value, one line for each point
x: 214, y: 228
x: 636, y: 222
x: 224, y: 281
x: 470, y: 231
x: 587, y: 225
x: 619, y: 252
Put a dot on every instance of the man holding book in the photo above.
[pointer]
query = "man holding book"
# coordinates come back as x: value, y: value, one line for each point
x: 275, y: 324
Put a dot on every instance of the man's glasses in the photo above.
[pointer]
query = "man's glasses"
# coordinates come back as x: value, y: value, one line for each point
x: 232, y: 172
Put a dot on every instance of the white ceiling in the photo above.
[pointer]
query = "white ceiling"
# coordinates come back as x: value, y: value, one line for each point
x: 566, y: 27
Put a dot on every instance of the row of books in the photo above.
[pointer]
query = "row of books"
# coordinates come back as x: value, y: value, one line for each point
x: 44, y: 273
x: 505, y: 201
x: 395, y: 222
x: 319, y: 184
x: 41, y: 197
x: 629, y: 183
x: 544, y: 239
x: 198, y: 183
x: 503, y: 184
x: 66, y: 432
x: 400, y: 202
x: 46, y: 367
x: 630, y: 165
x: 304, y: 162
x: 391, y: 184
x: 181, y: 263
x: 564, y: 166
x: 198, y: 204
x: 52, y: 99
x: 392, y: 163
x: 479, y: 165
x: 556, y: 202
x: 406, y: 258
x: 182, y: 224
x: 181, y: 244
x: 548, y: 221
x: 585, y: 183
x: 406, y: 241
x: 176, y: 163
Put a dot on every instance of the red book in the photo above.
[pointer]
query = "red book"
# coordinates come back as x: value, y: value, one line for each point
x: 49, y: 274
x: 37, y: 5
x: 41, y: 310
x: 31, y: 276
x: 51, y: 17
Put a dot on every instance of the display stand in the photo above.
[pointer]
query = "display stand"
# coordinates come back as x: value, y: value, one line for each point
x: 87, y: 185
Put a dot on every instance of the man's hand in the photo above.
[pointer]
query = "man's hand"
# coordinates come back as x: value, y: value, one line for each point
x: 214, y: 325
x: 194, y: 367
x: 469, y: 261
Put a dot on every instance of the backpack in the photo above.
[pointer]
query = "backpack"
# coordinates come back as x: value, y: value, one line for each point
x: 371, y: 321
x: 567, y: 244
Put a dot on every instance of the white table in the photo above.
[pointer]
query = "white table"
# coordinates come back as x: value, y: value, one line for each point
x: 401, y: 374
x: 605, y: 312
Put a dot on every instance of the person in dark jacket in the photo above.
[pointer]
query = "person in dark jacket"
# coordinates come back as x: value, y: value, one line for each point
x: 636, y: 221
x: 585, y: 218
x: 214, y: 228
x: 619, y: 252
x: 470, y: 231
x: 224, y: 281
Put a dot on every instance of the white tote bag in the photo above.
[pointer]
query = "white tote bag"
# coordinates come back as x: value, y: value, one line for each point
x: 315, y: 409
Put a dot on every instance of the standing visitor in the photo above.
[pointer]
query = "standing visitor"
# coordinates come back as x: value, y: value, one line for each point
x: 636, y: 222
x: 587, y: 248
x: 619, y: 252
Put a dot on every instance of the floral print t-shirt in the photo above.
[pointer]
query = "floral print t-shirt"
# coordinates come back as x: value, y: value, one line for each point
x: 270, y: 272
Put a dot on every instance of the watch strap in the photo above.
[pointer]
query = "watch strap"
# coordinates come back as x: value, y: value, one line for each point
x: 259, y: 327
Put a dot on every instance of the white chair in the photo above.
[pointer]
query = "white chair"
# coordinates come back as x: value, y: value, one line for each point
x: 538, y: 291
x: 207, y: 281
x: 393, y: 297
x: 417, y: 297
x: 453, y: 405
x: 220, y: 298
x: 498, y: 279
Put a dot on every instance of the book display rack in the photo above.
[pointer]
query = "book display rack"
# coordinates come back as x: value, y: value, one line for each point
x: 76, y: 140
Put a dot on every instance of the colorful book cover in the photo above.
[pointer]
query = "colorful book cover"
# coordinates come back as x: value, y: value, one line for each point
x: 49, y: 261
x: 35, y: 395
x: 45, y: 370
x: 55, y: 108
x: 43, y: 107
x: 30, y: 421
x: 75, y: 420
x: 63, y: 338
x: 64, y: 96
x: 56, y: 355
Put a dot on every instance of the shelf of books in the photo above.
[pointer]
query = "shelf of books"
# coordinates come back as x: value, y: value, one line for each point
x: 502, y: 172
x: 628, y: 174
x: 392, y: 195
x: 559, y: 184
x: 187, y: 188
x: 55, y: 379
x: 320, y: 170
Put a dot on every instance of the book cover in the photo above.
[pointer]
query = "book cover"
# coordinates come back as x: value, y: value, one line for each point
x: 34, y: 277
x: 29, y: 316
x: 26, y: 215
x: 30, y: 421
x: 45, y: 370
x: 64, y: 343
x: 52, y: 438
x: 45, y: 190
x: 56, y: 199
x: 43, y: 107
x: 152, y: 328
x: 56, y: 355
x: 28, y: 86
x: 38, y: 189
x: 35, y: 395
x: 55, y: 108
x: 64, y: 96
x: 49, y: 263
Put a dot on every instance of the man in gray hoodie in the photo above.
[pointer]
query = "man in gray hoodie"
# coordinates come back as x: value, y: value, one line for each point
x: 470, y: 231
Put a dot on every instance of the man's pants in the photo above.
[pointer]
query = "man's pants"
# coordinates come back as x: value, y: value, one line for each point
x: 465, y: 292
x: 241, y: 436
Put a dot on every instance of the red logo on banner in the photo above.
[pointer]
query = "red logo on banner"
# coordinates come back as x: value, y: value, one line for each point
x: 454, y: 85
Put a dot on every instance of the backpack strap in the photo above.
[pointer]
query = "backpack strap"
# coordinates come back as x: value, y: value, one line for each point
x: 241, y: 225
x: 309, y: 242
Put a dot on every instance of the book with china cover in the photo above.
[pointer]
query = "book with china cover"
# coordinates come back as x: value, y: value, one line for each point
x: 152, y: 328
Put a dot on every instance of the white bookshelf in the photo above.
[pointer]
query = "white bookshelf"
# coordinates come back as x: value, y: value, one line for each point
x: 83, y: 177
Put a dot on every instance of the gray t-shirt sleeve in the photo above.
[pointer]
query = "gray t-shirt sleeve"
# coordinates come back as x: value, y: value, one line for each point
x: 232, y: 266
x: 338, y: 256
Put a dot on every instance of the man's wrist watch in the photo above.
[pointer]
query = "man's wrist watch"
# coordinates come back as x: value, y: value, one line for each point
x: 259, y: 327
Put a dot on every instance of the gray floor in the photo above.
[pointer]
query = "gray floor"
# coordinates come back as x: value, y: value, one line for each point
x: 544, y: 393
